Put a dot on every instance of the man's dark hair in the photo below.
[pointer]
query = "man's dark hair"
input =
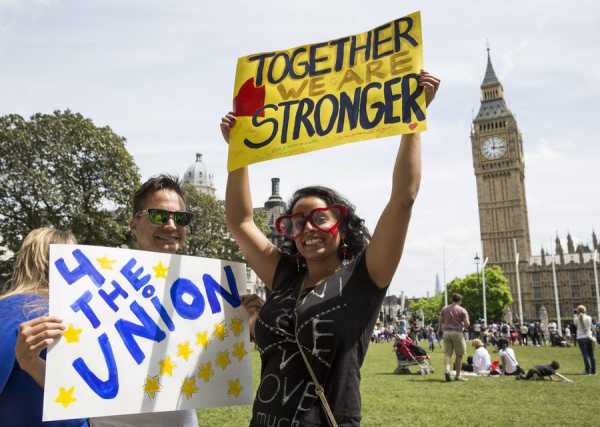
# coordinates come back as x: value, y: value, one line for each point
x: 456, y: 298
x: 154, y: 184
x: 555, y: 365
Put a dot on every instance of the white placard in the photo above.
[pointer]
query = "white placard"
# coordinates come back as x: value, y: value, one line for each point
x: 146, y: 332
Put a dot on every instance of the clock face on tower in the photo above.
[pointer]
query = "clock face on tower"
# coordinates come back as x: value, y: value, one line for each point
x: 493, y: 148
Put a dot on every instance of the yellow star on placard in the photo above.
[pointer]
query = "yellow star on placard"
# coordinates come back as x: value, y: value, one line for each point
x: 160, y: 270
x: 206, y: 372
x: 239, y: 351
x: 166, y: 366
x: 106, y: 263
x: 235, y: 388
x: 152, y: 386
x: 65, y: 397
x: 188, y: 388
x: 71, y: 334
x: 220, y: 331
x: 202, y: 339
x: 223, y: 359
x: 184, y: 350
x: 237, y: 326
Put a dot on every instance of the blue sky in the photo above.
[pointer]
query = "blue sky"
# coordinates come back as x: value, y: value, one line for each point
x: 160, y: 73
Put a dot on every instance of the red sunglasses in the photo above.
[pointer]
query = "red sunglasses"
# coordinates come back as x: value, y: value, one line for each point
x: 326, y: 220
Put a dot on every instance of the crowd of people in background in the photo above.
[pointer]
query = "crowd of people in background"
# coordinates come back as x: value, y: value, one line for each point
x: 534, y: 333
x: 579, y: 331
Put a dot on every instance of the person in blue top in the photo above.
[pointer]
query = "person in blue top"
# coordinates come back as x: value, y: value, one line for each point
x: 25, y: 333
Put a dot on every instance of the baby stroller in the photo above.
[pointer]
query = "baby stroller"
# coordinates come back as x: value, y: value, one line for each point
x: 557, y: 341
x: 410, y: 354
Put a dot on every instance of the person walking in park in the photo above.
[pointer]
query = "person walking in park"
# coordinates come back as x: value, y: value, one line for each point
x: 585, y: 339
x: 523, y: 334
x: 453, y: 320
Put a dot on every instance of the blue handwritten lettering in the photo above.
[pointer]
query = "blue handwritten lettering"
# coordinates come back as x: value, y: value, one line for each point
x: 164, y: 315
x: 84, y: 268
x: 111, y: 297
x: 148, y: 329
x: 212, y: 287
x: 134, y: 277
x: 192, y: 310
x: 105, y: 389
x: 82, y: 303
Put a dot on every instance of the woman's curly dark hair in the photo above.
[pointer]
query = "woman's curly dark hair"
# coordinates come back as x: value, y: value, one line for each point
x: 355, y: 234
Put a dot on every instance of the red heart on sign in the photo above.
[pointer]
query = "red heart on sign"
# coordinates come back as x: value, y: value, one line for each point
x: 249, y: 99
x: 412, y: 126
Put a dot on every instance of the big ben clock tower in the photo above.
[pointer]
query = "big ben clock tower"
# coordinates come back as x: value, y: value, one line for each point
x: 497, y: 149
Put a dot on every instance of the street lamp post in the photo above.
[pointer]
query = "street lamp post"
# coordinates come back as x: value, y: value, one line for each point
x: 518, y: 282
x: 444, y: 274
x: 556, y: 303
x: 477, y: 259
x: 595, y: 260
x: 484, y: 298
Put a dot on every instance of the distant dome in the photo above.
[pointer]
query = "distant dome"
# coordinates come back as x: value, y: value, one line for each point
x: 197, y: 175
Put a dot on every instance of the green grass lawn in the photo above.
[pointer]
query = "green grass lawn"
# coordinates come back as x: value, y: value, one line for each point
x: 397, y: 400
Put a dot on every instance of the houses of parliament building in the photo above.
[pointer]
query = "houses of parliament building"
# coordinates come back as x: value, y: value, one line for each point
x: 498, y: 163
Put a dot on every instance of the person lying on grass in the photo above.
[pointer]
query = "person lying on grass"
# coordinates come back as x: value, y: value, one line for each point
x: 541, y: 372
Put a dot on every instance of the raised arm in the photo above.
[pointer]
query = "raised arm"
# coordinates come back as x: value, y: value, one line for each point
x: 385, y: 248
x: 260, y: 254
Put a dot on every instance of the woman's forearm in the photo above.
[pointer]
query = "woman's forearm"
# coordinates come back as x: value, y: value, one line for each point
x: 407, y: 170
x: 238, y: 200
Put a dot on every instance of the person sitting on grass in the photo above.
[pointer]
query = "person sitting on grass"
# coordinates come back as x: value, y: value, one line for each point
x: 508, y: 359
x: 481, y: 358
x: 541, y: 372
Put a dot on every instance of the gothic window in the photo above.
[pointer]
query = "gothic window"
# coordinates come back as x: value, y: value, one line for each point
x: 537, y: 292
x: 573, y: 277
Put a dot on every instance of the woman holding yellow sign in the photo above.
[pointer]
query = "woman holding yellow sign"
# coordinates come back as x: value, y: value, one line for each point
x: 328, y: 282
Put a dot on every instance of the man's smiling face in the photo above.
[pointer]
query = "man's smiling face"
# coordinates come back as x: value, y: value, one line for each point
x: 169, y: 237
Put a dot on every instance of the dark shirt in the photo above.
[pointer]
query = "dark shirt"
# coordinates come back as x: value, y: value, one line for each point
x: 333, y: 322
x: 21, y: 398
x: 545, y: 370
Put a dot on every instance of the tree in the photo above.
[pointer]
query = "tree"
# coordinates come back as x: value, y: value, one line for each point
x: 208, y: 235
x: 498, y: 295
x: 61, y: 170
x: 431, y: 307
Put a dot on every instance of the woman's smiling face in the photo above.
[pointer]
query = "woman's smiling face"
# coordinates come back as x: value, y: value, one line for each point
x: 312, y: 243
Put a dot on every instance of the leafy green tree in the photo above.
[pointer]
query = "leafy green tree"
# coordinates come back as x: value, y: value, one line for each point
x: 498, y: 295
x: 431, y: 307
x: 61, y: 170
x: 208, y: 235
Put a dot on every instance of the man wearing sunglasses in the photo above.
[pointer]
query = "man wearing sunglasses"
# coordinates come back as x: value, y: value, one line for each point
x: 159, y: 225
x: 160, y: 219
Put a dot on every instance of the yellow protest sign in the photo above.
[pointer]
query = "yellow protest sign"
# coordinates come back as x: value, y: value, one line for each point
x: 331, y: 93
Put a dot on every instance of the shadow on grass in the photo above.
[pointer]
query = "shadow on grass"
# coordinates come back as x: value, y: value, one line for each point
x: 430, y: 380
x: 412, y: 374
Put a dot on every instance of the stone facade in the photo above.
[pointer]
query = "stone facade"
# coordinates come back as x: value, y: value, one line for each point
x: 497, y: 149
